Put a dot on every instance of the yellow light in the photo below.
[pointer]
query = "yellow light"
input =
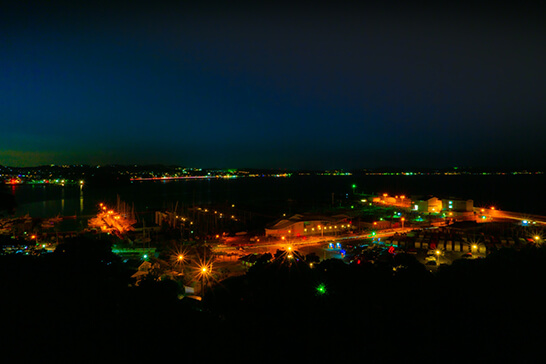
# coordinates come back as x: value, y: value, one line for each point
x: 474, y: 246
x: 33, y: 237
x: 537, y: 237
x: 437, y: 252
x: 289, y: 248
x: 204, y: 269
x: 181, y: 257
x: 282, y: 237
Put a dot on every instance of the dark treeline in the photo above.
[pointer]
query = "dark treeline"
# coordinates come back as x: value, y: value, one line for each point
x: 76, y: 305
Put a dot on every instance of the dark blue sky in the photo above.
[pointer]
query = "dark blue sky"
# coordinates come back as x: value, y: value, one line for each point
x: 273, y: 86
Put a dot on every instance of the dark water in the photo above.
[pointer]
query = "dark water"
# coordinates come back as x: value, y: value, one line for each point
x: 522, y: 193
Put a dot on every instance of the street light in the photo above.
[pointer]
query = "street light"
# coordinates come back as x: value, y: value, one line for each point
x: 204, y: 271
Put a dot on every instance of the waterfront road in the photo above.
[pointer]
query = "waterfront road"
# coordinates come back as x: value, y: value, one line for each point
x: 501, y: 215
x: 272, y: 246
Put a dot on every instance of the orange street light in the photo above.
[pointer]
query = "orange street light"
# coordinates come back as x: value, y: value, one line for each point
x: 204, y: 271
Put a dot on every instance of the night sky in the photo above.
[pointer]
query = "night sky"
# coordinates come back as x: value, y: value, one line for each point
x: 274, y: 85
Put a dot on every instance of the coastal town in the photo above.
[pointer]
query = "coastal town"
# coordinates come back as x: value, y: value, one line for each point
x: 367, y: 228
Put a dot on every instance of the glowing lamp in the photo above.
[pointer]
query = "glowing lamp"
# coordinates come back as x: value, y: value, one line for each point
x: 321, y: 289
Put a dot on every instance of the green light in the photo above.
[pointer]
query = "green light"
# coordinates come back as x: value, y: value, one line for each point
x: 321, y: 289
x: 373, y: 233
x: 145, y: 256
x: 354, y: 186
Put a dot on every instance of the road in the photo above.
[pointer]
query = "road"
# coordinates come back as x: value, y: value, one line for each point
x: 500, y: 214
x: 313, y: 244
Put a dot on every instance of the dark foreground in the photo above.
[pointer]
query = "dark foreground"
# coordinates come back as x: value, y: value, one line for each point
x: 76, y: 305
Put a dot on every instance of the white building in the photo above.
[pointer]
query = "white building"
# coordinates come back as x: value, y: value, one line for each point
x: 306, y: 225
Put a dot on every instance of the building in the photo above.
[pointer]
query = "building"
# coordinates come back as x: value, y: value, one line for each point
x: 458, y: 205
x: 430, y: 205
x: 399, y: 201
x: 308, y: 225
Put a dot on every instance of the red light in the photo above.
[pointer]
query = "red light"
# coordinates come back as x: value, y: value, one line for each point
x: 358, y: 261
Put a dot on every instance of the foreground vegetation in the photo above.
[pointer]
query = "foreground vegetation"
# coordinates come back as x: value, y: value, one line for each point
x: 79, y: 304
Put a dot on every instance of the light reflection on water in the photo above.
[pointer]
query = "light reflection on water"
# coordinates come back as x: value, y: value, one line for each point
x: 512, y: 193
